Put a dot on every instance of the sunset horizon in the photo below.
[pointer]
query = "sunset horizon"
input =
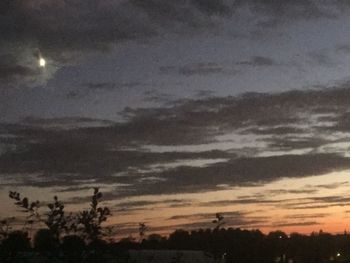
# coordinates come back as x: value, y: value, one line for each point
x: 177, y: 111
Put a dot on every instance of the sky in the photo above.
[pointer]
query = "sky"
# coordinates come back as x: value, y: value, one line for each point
x: 178, y: 110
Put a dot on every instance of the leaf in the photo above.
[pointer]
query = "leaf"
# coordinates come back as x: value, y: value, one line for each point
x: 25, y: 202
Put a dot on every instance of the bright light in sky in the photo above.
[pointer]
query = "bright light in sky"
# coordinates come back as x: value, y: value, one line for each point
x: 42, y: 62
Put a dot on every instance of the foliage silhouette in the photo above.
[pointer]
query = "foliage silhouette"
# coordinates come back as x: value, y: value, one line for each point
x: 5, y: 227
x: 72, y: 247
x: 142, y: 231
x: 15, y: 243
x: 219, y: 221
x: 92, y: 219
x: 56, y: 220
x: 44, y: 240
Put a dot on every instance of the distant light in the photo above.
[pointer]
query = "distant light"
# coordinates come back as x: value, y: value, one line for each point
x: 42, y: 62
x: 338, y: 254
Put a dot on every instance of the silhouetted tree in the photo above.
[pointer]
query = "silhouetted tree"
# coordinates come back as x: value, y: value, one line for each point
x: 91, y: 219
x: 218, y: 221
x: 216, y: 252
x: 72, y: 243
x: 5, y: 228
x: 56, y: 220
x: 142, y: 231
x: 31, y: 208
x: 12, y: 245
x: 24, y: 202
x: 45, y: 240
x: 72, y: 247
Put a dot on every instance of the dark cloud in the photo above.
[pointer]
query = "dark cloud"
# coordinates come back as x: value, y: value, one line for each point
x: 112, y: 85
x: 281, y: 130
x: 332, y: 185
x: 332, y: 199
x: 8, y: 72
x: 239, y: 171
x: 91, y: 88
x: 288, y: 224
x: 207, y: 216
x: 294, y: 142
x: 308, y: 207
x: 65, y: 123
x: 322, y: 58
x: 343, y: 48
x: 258, y: 61
x: 231, y: 219
x: 60, y: 26
x: 287, y: 9
x: 306, y: 216
x: 129, y: 206
x: 11, y: 70
x: 239, y: 201
x: 154, y: 95
x: 63, y: 30
x: 210, y: 7
x: 293, y: 191
x: 319, y: 202
x: 83, y: 148
x: 200, y: 68
x: 101, y: 86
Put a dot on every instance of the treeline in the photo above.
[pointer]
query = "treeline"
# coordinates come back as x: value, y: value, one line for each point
x: 83, y: 238
x: 235, y: 245
x: 252, y: 246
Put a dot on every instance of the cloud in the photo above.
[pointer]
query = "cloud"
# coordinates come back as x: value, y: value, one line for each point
x: 315, y: 202
x: 259, y: 133
x: 238, y: 171
x: 231, y: 219
x: 57, y: 28
x: 288, y: 9
x: 12, y: 70
x: 287, y: 224
x: 64, y: 123
x: 332, y: 185
x: 200, y: 68
x: 258, y: 61
x: 306, y: 216
x: 293, y: 191
x: 260, y: 200
x: 101, y: 86
x: 63, y: 31
x: 218, y: 7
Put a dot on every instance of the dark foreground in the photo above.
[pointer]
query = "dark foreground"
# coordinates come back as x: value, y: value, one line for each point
x: 218, y: 245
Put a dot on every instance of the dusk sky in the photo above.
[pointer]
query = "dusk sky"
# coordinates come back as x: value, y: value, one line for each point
x: 179, y: 109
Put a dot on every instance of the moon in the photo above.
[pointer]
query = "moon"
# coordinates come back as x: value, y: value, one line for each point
x: 42, y: 62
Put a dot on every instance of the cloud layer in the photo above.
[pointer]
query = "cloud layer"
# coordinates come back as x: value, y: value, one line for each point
x: 63, y: 30
x: 193, y: 145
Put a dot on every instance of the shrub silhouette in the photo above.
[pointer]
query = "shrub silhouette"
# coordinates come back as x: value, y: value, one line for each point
x: 87, y: 223
x: 92, y: 219
x: 56, y: 220
x: 16, y: 241
x: 44, y: 240
x: 218, y: 221
x: 12, y: 245
x: 5, y: 228
x: 72, y: 247
x: 142, y: 231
